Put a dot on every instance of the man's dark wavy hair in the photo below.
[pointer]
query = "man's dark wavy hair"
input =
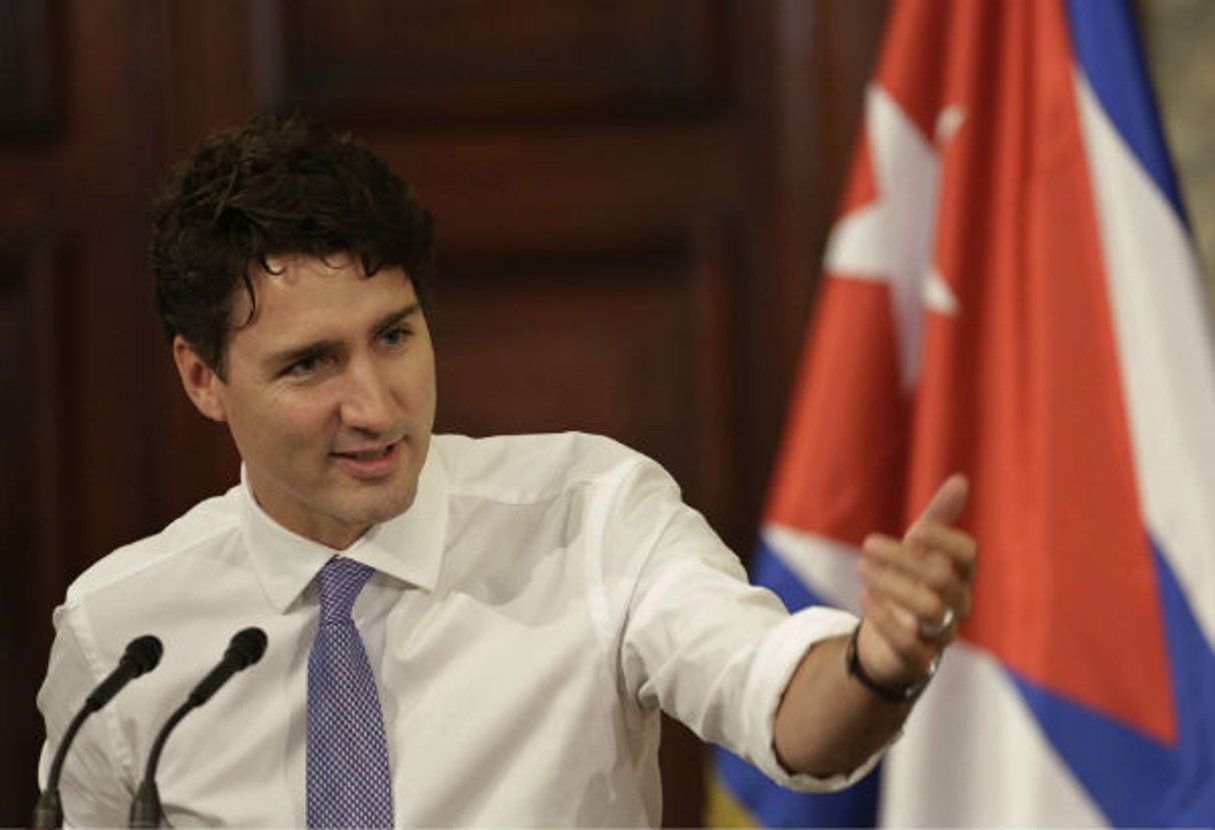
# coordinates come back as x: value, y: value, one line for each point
x: 270, y: 187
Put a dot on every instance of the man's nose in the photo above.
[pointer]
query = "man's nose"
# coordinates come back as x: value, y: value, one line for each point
x: 367, y: 402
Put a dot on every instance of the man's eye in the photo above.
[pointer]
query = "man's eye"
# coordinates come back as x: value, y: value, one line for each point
x: 302, y: 368
x: 395, y: 336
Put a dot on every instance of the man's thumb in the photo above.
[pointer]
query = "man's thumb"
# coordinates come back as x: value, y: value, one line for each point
x: 947, y: 504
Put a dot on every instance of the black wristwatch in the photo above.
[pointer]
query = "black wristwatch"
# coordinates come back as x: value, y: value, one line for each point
x: 894, y: 694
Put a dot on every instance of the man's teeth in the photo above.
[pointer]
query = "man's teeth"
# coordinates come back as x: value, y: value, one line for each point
x: 368, y: 456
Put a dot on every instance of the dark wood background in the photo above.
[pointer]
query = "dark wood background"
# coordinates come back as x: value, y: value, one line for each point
x: 632, y: 199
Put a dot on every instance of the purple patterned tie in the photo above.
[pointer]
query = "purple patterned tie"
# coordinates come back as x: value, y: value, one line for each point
x: 349, y: 784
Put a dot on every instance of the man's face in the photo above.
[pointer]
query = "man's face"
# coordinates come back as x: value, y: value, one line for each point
x: 330, y: 394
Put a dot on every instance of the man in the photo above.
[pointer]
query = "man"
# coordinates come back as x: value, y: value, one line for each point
x: 526, y: 605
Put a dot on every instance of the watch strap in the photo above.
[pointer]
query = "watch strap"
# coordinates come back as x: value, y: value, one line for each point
x: 894, y: 694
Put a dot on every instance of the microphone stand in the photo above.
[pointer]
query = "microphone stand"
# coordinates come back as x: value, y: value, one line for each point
x: 48, y: 812
x: 145, y: 809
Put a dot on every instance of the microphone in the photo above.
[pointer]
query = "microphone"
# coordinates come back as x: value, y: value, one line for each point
x: 246, y: 648
x: 141, y: 656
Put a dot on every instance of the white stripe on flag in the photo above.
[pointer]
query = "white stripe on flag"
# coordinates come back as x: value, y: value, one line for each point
x: 973, y: 750
x: 1165, y: 350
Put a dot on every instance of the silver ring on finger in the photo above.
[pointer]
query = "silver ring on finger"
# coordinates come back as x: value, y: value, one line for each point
x: 934, y: 631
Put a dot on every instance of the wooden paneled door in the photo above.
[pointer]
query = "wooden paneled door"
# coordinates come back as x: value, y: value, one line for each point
x: 631, y: 202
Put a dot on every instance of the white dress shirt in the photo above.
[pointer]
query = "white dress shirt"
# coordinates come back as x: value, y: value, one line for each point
x: 530, y: 614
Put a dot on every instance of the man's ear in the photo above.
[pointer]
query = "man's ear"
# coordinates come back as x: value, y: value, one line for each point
x: 200, y: 381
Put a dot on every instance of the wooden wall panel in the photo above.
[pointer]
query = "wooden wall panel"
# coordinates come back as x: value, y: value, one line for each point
x: 30, y: 480
x: 416, y: 63
x: 28, y: 50
x: 528, y: 344
x: 612, y: 343
x: 588, y: 188
x: 32, y: 485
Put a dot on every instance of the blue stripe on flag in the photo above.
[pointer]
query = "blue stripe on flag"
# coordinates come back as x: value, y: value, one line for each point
x: 774, y: 806
x: 770, y: 804
x: 1107, y: 49
x: 1134, y: 780
x: 769, y: 570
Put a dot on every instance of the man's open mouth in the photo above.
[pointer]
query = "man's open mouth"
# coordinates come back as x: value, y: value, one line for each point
x: 367, y: 455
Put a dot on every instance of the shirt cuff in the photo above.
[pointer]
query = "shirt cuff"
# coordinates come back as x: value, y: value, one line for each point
x: 780, y: 654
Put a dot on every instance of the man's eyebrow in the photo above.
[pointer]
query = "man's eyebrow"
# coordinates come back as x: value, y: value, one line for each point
x: 391, y: 319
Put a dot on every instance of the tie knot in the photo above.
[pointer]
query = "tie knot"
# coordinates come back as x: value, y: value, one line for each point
x: 340, y: 581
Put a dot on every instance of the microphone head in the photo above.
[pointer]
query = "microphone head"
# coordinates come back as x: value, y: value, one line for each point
x: 247, y: 647
x: 143, y: 654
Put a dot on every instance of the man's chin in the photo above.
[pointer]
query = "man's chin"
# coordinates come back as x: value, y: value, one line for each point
x: 378, y: 508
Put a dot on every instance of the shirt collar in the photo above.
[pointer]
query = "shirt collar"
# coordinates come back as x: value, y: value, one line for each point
x: 408, y: 547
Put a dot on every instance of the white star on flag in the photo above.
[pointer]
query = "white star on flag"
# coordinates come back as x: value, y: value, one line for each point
x: 890, y: 239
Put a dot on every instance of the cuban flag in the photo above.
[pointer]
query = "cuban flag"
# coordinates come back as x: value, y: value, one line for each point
x: 1010, y: 291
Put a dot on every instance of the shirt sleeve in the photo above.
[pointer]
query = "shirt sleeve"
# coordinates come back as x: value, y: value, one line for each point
x: 697, y: 639
x: 92, y: 784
